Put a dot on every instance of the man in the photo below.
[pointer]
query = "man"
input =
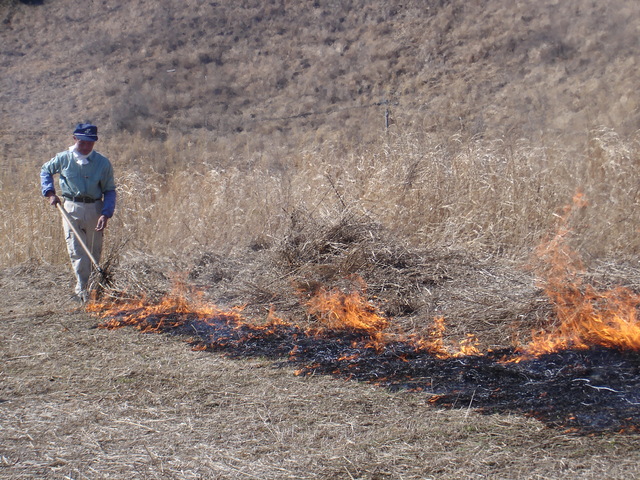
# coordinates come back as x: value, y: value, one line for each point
x: 89, y: 192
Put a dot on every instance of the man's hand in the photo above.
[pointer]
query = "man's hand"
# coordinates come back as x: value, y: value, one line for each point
x: 102, y: 223
x: 53, y: 199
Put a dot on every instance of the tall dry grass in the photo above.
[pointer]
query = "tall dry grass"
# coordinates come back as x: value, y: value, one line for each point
x: 184, y: 196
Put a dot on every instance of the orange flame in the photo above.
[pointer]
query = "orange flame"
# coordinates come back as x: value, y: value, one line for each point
x: 435, y: 344
x: 334, y: 309
x: 591, y: 318
x: 172, y: 310
x: 587, y: 317
x: 346, y: 311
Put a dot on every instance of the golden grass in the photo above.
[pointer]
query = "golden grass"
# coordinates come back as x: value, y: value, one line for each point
x: 223, y: 118
x: 185, y: 196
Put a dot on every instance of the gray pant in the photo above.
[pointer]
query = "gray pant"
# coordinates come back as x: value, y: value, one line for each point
x: 85, y: 218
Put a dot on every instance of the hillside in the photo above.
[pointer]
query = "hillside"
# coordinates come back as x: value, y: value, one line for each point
x: 255, y: 73
x: 467, y: 166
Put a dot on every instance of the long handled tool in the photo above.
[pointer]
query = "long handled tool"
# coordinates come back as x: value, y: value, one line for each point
x: 66, y: 217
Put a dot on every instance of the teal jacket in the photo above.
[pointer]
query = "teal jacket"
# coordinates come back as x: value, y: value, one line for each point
x: 94, y: 180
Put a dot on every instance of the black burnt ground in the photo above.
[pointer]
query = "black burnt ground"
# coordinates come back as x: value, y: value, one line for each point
x: 594, y: 390
x: 588, y: 390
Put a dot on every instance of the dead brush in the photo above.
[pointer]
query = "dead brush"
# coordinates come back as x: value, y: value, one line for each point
x: 350, y: 252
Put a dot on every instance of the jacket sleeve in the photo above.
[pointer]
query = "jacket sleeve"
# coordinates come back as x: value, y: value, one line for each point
x: 109, y: 203
x: 46, y: 175
x: 108, y: 186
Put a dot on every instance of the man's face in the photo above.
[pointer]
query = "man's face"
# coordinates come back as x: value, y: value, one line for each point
x: 83, y: 147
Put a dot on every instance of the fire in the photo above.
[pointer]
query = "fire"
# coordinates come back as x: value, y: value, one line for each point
x: 346, y: 311
x: 434, y: 342
x: 468, y: 346
x: 181, y: 305
x: 353, y: 342
x: 334, y: 309
x: 586, y: 316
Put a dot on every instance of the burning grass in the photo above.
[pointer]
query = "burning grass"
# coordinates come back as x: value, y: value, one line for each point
x: 587, y: 390
x: 582, y: 373
x: 585, y: 316
x: 80, y: 402
x: 592, y: 390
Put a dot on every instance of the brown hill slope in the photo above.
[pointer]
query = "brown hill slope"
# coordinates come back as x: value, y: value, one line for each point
x: 288, y: 72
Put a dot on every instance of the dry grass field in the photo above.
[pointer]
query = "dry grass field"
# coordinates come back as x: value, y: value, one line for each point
x: 267, y: 149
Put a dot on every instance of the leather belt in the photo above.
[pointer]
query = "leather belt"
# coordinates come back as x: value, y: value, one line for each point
x: 80, y: 199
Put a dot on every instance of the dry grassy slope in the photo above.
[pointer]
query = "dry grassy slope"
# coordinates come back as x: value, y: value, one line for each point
x: 240, y: 69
